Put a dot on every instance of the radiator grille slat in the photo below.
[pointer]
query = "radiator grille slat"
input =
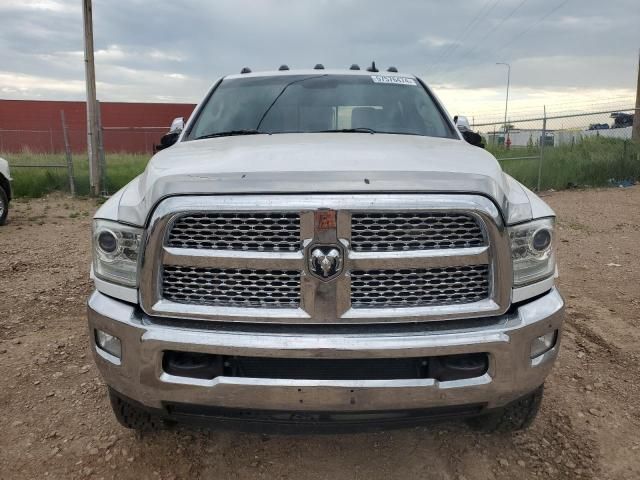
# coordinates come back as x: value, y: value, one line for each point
x: 419, y: 287
x: 232, y: 287
x: 249, y: 231
x: 402, y: 231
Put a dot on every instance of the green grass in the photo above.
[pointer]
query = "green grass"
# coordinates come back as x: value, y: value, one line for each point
x: 36, y: 182
x: 593, y: 162
x: 590, y: 163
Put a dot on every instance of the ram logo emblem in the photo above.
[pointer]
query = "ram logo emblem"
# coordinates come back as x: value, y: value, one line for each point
x: 325, y: 262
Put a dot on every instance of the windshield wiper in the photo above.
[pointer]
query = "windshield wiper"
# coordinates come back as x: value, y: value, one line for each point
x: 229, y: 133
x: 284, y: 89
x: 349, y: 130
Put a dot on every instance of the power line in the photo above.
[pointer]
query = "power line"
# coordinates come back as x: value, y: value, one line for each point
x: 487, y: 34
x: 531, y: 27
x: 464, y: 32
x: 524, y: 32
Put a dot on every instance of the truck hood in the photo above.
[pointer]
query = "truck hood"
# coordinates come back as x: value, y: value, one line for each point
x: 319, y: 163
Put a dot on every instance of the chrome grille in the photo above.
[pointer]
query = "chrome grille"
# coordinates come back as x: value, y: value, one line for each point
x: 419, y: 287
x: 232, y: 287
x: 257, y: 231
x: 246, y: 258
x: 398, y: 231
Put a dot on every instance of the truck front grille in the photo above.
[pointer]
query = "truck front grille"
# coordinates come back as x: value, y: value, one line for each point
x: 401, y: 231
x: 232, y: 287
x: 419, y: 287
x: 253, y: 231
x: 254, y: 258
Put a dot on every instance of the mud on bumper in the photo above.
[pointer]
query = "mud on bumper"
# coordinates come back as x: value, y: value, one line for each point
x: 141, y: 377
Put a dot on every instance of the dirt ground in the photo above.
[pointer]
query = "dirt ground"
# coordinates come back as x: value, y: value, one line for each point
x: 56, y: 421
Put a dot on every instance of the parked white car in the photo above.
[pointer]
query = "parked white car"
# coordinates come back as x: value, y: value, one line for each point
x: 5, y: 190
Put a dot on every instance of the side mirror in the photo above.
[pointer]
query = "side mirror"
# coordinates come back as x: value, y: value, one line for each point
x: 469, y: 135
x: 168, y: 139
x: 177, y: 125
x: 462, y: 123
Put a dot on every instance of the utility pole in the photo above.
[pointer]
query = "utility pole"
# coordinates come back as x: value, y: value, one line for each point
x: 92, y: 107
x: 635, y: 134
x: 506, y: 102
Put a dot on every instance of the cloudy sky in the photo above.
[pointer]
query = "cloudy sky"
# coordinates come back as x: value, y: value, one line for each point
x: 564, y: 53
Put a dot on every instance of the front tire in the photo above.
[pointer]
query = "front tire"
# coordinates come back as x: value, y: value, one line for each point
x: 4, y: 206
x: 134, y: 417
x: 518, y: 415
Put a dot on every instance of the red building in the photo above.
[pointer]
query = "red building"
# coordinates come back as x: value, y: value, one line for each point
x: 127, y: 127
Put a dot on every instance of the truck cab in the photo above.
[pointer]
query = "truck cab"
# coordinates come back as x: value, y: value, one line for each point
x: 323, y: 248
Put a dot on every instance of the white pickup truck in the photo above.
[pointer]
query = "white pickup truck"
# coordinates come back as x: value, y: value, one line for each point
x: 322, y: 248
x: 5, y: 190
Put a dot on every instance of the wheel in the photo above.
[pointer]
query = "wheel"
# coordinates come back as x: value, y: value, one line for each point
x: 134, y: 417
x: 4, y: 206
x: 515, y: 416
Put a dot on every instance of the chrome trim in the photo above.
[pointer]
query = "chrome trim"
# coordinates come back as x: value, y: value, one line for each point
x: 321, y: 301
x: 107, y: 356
x: 457, y: 257
x: 441, y: 312
x: 507, y: 340
x: 184, y: 257
x: 176, y: 310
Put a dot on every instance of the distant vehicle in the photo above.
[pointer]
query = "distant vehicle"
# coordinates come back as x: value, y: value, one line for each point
x: 322, y: 248
x: 622, y: 120
x: 5, y: 190
x: 599, y: 126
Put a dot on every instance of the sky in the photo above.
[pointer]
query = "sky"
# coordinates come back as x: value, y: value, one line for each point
x: 566, y: 54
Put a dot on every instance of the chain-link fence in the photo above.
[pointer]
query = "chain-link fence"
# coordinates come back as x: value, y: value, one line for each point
x: 565, y: 150
x: 139, y: 140
x: 545, y: 150
x: 56, y: 159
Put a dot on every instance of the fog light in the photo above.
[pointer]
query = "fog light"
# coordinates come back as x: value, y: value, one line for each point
x: 109, y: 343
x: 543, y: 344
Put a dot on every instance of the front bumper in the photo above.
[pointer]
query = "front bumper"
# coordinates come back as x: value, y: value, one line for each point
x: 506, y: 339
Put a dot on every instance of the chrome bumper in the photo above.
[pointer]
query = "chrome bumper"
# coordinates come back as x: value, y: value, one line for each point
x: 506, y: 339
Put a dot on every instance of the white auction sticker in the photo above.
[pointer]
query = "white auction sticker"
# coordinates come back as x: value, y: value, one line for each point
x: 393, y: 80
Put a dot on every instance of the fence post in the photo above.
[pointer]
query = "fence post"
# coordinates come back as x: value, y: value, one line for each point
x: 542, y: 145
x: 67, y: 149
x: 101, y: 158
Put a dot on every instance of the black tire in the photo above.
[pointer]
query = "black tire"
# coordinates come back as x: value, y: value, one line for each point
x: 4, y: 206
x: 515, y: 416
x: 134, y: 417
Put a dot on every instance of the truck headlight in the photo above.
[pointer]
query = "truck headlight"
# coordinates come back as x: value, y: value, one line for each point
x: 533, y: 251
x: 116, y: 249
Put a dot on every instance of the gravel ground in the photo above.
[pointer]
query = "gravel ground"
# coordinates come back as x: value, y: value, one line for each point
x: 57, y: 423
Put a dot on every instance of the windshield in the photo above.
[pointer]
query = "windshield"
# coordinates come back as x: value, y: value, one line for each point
x: 320, y: 103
